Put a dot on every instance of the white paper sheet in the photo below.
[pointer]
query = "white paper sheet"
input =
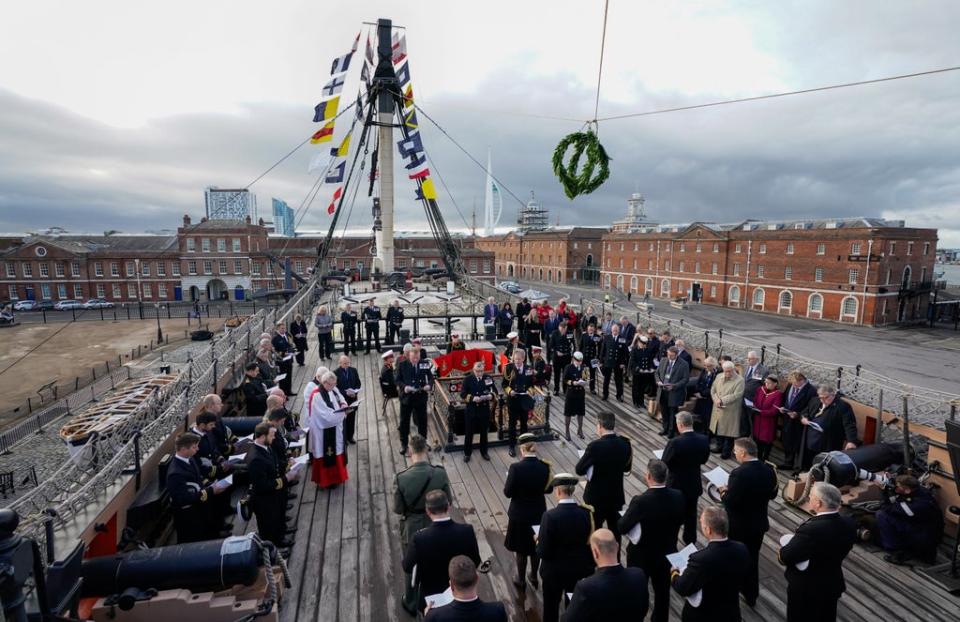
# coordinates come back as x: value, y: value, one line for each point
x: 718, y: 477
x: 658, y: 453
x: 784, y: 540
x: 589, y: 473
x: 288, y: 357
x: 679, y: 559
x: 749, y: 403
x: 536, y: 531
x: 296, y: 444
x: 439, y: 600
x: 280, y: 377
x: 237, y: 458
x: 695, y: 599
x: 634, y: 534
x: 226, y: 481
x: 816, y: 426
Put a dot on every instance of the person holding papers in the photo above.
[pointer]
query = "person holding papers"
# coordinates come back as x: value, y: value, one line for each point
x: 283, y: 346
x: 191, y: 495
x: 655, y: 517
x: 604, y: 462
x: 830, y: 424
x: 388, y: 379
x: 528, y: 480
x: 518, y: 378
x: 326, y: 409
x: 563, y: 545
x: 348, y: 383
x: 712, y: 578
x: 684, y: 455
x: 268, y: 486
x: 814, y: 558
x: 466, y: 606
x: 430, y: 550
x: 612, y: 592
x: 727, y: 395
x: 766, y: 406
x: 254, y: 392
x: 479, y: 392
x: 672, y: 376
x: 749, y: 489
x: 574, y: 386
x: 414, y: 382
x: 222, y: 435
x: 298, y: 329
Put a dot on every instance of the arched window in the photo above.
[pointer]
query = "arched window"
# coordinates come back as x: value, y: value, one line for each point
x: 848, y: 309
x: 620, y: 282
x: 758, y: 297
x: 786, y: 302
x: 634, y: 283
x: 648, y: 286
x: 733, y: 296
x: 550, y: 276
x: 665, y: 287
x: 559, y: 277
x: 541, y: 274
x: 590, y: 260
x: 815, y: 305
x: 905, y: 281
x: 606, y: 281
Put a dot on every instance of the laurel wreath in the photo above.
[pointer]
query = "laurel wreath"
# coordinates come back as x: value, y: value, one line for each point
x: 595, y: 171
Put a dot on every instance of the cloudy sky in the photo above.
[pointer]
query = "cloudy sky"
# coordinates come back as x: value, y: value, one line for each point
x: 116, y: 114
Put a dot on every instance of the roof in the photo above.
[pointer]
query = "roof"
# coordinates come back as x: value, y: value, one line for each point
x: 216, y: 224
x: 87, y: 244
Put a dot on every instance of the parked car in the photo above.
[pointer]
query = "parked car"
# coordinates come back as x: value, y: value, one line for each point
x: 66, y: 305
x: 97, y: 303
x: 337, y: 275
x: 25, y: 305
x: 510, y: 286
x: 44, y: 305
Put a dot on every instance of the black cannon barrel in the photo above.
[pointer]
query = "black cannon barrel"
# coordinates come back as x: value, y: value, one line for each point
x: 242, y: 426
x: 877, y: 457
x: 199, y: 567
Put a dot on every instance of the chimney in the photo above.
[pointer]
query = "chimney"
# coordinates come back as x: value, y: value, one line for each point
x: 247, y: 219
x: 204, y: 219
x: 261, y: 222
x: 186, y: 220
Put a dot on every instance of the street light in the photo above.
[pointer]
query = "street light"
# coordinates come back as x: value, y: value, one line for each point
x: 159, y: 330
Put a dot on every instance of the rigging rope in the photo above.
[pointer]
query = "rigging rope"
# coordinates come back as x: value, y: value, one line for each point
x: 603, y: 43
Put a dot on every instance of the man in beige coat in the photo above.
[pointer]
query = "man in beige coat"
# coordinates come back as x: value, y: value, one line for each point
x: 727, y: 394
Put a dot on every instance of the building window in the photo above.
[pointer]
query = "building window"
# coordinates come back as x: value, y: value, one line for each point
x: 848, y: 309
x: 785, y: 302
x: 650, y: 248
x: 130, y: 269
x: 636, y: 246
x: 815, y: 304
x: 714, y: 268
x: 147, y: 291
x: 889, y: 275
x: 205, y: 245
x: 818, y: 275
x: 175, y: 268
x: 696, y: 267
x: 634, y: 283
x: 62, y: 291
x: 855, y: 248
x: 648, y: 286
x: 760, y: 271
x: 821, y: 249
x: 680, y: 288
x: 161, y: 268
x: 45, y: 291
x: 763, y: 248
x: 236, y: 244
x: 238, y: 266
x: 681, y: 266
x: 789, y: 248
x: 683, y: 247
x: 758, y: 297
x: 909, y: 248
x: 699, y: 247
x: 634, y: 264
x: 114, y: 268
x: 256, y: 268
x: 191, y: 245
x: 207, y: 267
x: 926, y: 248
x: 589, y: 246
x: 713, y: 291
x: 28, y: 270
x: 101, y: 291
x: 486, y: 266
x: 716, y: 247
x: 192, y: 267
x: 854, y: 273
x: 12, y: 292
x: 788, y: 273
x: 621, y: 247
x: 649, y: 264
x: 58, y: 270
x: 666, y: 265
x: 77, y: 291
x: 131, y: 290
x: 44, y: 270
x: 575, y: 245
x: 161, y: 290
x: 621, y: 263
x: 145, y: 268
x: 221, y: 245
x: 11, y: 270
x: 736, y: 269
x: 664, y: 287
x: 299, y: 266
x: 734, y: 295
x: 222, y: 266
x: 116, y: 291
x: 893, y: 248
x: 737, y: 247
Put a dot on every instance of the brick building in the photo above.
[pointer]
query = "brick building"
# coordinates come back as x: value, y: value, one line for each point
x: 860, y: 271
x: 208, y: 260
x: 556, y: 255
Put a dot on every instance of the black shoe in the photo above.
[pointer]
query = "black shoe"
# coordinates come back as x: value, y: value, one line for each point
x: 485, y: 456
x: 291, y: 394
x: 289, y: 506
x: 520, y: 584
x: 724, y: 456
x: 662, y: 433
x: 466, y: 458
x: 593, y: 391
x: 291, y: 530
x: 512, y: 452
x: 604, y: 398
x: 291, y: 495
x: 567, y: 435
x: 619, y: 399
x: 351, y: 441
x: 898, y: 558
x: 285, y: 544
x: 285, y: 553
x: 403, y: 451
x: 751, y: 602
x: 555, y: 392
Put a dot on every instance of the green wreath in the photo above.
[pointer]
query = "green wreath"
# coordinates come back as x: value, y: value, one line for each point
x: 585, y: 181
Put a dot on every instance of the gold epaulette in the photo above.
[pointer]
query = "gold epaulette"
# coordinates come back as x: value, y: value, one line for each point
x: 279, y: 483
x: 203, y: 496
x: 586, y: 506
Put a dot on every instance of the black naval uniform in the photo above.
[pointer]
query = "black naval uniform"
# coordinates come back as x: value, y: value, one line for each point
x: 564, y: 550
x: 611, y: 593
x: 254, y: 396
x: 528, y: 480
x: 349, y: 321
x: 431, y: 550
x: 518, y: 345
x: 719, y: 570
x: 642, y: 368
x: 191, y: 498
x: 824, y: 541
x: 283, y: 346
x: 613, y: 356
x: 413, y: 403
x: 476, y: 419
x: 684, y: 455
x: 590, y: 348
x: 610, y: 456
x: 267, y: 492
x: 574, y: 404
x: 348, y: 379
x: 751, y: 487
x: 299, y: 332
x: 371, y: 319
x: 388, y: 382
x: 394, y: 323
x: 516, y: 384
x: 561, y: 349
x: 539, y: 372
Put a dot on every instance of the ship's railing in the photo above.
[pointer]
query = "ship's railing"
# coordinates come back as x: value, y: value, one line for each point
x: 83, y: 481
x: 38, y: 421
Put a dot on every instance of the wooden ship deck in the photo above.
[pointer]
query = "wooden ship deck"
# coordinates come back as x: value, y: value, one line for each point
x: 345, y: 564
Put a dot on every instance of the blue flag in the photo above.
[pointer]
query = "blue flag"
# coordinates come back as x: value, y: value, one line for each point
x: 341, y: 64
x: 335, y: 176
x: 334, y: 86
x: 403, y: 74
x: 410, y: 146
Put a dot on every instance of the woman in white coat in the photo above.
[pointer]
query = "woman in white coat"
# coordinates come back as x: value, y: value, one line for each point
x: 325, y: 408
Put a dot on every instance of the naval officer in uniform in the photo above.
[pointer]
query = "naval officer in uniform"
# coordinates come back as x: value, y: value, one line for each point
x: 479, y: 392
x: 528, y: 480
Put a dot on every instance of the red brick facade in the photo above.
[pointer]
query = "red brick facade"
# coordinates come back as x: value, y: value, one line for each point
x: 553, y: 256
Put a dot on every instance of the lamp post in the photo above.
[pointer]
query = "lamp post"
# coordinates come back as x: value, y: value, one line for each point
x: 136, y: 265
x: 159, y: 330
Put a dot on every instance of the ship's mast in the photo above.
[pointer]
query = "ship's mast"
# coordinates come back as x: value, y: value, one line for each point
x: 386, y: 79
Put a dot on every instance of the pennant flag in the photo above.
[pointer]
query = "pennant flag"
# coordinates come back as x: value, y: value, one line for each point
x: 365, y: 75
x: 344, y: 147
x: 411, y: 145
x: 426, y: 191
x: 420, y: 174
x: 359, y: 108
x: 334, y: 86
x: 341, y: 64
x: 369, y: 50
x: 410, y: 119
x: 326, y: 110
x: 324, y: 134
x: 320, y: 161
x: 417, y: 160
x: 408, y: 96
x: 335, y: 176
x: 356, y: 42
x: 399, y: 48
x: 403, y: 74
x: 333, y: 202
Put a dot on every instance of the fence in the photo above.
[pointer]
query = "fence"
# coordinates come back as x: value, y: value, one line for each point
x: 81, y: 482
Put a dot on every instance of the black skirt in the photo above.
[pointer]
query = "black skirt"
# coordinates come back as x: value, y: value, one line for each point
x: 574, y: 403
x: 520, y: 538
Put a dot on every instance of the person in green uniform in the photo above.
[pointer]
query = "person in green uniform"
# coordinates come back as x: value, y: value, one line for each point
x: 409, y: 499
